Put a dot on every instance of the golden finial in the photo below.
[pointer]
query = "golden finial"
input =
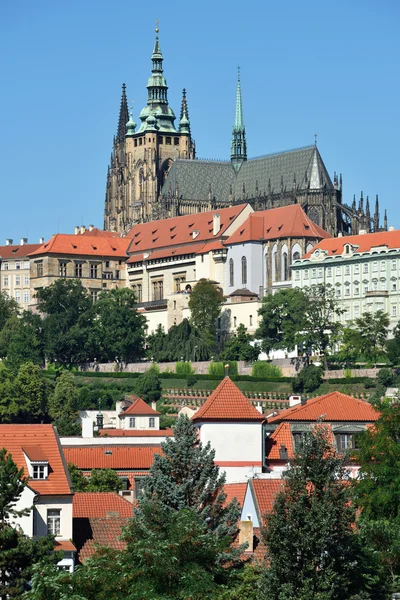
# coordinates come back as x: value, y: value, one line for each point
x: 157, y: 29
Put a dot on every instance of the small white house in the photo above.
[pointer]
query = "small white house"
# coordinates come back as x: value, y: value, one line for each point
x: 138, y: 415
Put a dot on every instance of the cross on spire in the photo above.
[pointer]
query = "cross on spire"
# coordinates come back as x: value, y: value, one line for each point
x: 315, y: 138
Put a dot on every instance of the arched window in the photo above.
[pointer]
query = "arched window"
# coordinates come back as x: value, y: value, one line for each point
x: 244, y: 270
x: 296, y: 256
x: 231, y: 273
x: 275, y: 267
x: 266, y: 270
x: 285, y: 272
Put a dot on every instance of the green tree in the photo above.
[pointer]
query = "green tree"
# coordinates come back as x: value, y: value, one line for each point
x: 309, y: 379
x: 238, y: 347
x: 120, y: 327
x: 205, y: 306
x: 182, y: 342
x: 20, y: 341
x: 312, y: 548
x: 6, y: 394
x: 281, y: 319
x: 64, y: 400
x: 29, y: 402
x: 372, y: 331
x: 148, y: 385
x: 18, y: 553
x: 69, y: 334
x: 8, y: 309
x: 99, y: 480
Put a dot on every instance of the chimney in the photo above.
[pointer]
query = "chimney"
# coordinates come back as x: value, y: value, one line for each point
x: 246, y: 534
x: 362, y: 232
x: 91, y: 227
x: 154, y: 405
x: 303, y: 400
x: 216, y: 224
x: 340, y: 234
x: 259, y: 408
x: 76, y: 229
x: 391, y: 228
x: 41, y: 240
x: 294, y: 400
x: 9, y: 242
x: 83, y: 229
x: 23, y: 241
x: 87, y: 427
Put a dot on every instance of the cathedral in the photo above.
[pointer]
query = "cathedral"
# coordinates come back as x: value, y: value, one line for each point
x: 154, y: 174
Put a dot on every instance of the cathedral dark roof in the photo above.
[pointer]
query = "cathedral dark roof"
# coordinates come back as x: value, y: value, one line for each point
x: 200, y: 179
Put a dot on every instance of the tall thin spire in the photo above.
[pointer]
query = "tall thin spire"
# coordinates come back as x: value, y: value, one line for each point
x: 376, y: 215
x: 184, y: 123
x: 238, y: 145
x: 123, y: 115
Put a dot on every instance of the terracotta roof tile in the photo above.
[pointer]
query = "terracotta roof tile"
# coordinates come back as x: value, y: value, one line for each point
x: 334, y: 406
x: 227, y: 403
x: 35, y: 453
x: 16, y: 437
x: 264, y: 492
x: 275, y: 223
x: 98, y: 504
x: 280, y: 437
x: 139, y: 407
x: 105, y: 533
x: 96, y: 232
x: 82, y: 245
x: 235, y: 490
x: 335, y: 246
x: 111, y: 457
x: 136, y: 433
x: 65, y: 545
x: 7, y: 252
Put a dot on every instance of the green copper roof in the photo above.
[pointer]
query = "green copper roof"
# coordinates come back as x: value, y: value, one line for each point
x: 239, y: 123
x: 131, y: 125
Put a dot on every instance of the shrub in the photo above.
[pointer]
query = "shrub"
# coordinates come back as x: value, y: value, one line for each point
x: 184, y: 368
x: 386, y: 377
x: 262, y: 368
x: 347, y: 373
x: 369, y: 383
x: 191, y: 380
x: 218, y: 368
x: 308, y: 380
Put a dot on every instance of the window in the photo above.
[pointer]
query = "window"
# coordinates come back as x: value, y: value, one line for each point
x: 178, y: 281
x: 356, y: 311
x: 285, y: 266
x: 347, y: 290
x: 94, y: 295
x: 158, y: 289
x: 39, y: 472
x: 54, y: 521
x: 78, y: 269
x: 63, y: 269
x: 375, y: 285
x: 375, y: 267
x: 116, y: 274
x: 338, y: 292
x: 26, y: 280
x: 137, y: 290
x: 26, y: 297
x: 18, y: 297
x: 345, y: 441
x: 17, y: 265
x: 337, y: 270
x: 365, y: 268
x: 231, y: 272
x: 93, y: 271
x: 132, y: 422
x: 138, y: 487
x: 18, y: 280
x: 383, y: 265
x: 329, y: 272
x: 305, y: 274
x: 320, y: 273
x: 297, y: 275
x: 152, y: 422
x: 168, y: 141
x: 244, y: 270
x: 5, y: 280
x: 357, y: 290
x: 297, y: 440
x: 394, y: 310
x: 107, y: 264
x: 39, y: 269
x: 234, y: 321
x: 314, y: 273
x: 383, y: 285
x: 394, y: 265
x: 347, y: 270
x: 394, y: 286
x: 26, y: 264
x: 356, y: 269
x: 5, y: 266
x: 251, y: 320
x: 176, y: 141
x: 365, y: 288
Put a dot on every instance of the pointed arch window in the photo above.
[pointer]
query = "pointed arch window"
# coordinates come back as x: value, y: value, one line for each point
x: 244, y: 270
x: 285, y: 272
x: 231, y: 273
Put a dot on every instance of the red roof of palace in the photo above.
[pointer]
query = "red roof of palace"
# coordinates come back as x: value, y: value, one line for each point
x: 99, y: 505
x: 136, y: 432
x: 40, y: 442
x: 139, y: 407
x: 334, y: 406
x: 96, y: 232
x: 111, y: 457
x: 17, y: 251
x: 178, y: 231
x: 235, y: 490
x: 227, y: 403
x: 264, y: 492
x: 335, y: 246
x: 275, y: 223
x: 65, y: 243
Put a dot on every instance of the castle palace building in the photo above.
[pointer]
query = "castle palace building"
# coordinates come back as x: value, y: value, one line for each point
x: 154, y: 174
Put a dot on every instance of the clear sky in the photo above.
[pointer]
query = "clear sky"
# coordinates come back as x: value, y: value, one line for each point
x: 330, y: 68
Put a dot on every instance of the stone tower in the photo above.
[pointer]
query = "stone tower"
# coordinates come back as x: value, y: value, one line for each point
x: 238, y: 145
x: 142, y: 158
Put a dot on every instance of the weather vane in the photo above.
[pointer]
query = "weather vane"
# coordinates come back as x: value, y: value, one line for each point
x: 157, y: 29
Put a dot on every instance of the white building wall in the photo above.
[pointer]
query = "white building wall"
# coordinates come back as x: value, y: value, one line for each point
x: 25, y: 501
x: 237, y: 441
x: 141, y: 422
x: 249, y: 512
x: 45, y: 503
x: 253, y: 252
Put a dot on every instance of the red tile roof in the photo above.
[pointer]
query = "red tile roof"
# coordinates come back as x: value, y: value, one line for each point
x: 16, y: 437
x: 136, y: 432
x: 335, y: 246
x: 215, y: 245
x: 139, y: 407
x: 65, y: 244
x: 334, y: 406
x: 264, y: 492
x: 65, y: 545
x: 227, y: 403
x: 235, y: 490
x: 178, y: 231
x: 96, y: 232
x: 7, y: 252
x: 105, y: 533
x: 111, y: 457
x: 35, y: 453
x: 280, y: 437
x: 98, y: 504
x: 275, y: 223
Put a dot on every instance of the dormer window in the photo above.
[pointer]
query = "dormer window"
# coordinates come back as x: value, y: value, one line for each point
x: 39, y: 471
x: 37, y: 463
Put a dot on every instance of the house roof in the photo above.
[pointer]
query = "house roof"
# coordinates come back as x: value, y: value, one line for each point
x: 280, y: 437
x: 227, y: 403
x: 96, y: 232
x: 99, y: 505
x: 243, y: 292
x: 178, y: 231
x: 235, y: 490
x: 136, y: 433
x: 35, y: 453
x: 334, y: 406
x: 365, y: 242
x: 84, y: 245
x: 17, y: 251
x: 283, y: 222
x: 104, y: 533
x: 264, y: 492
x: 31, y: 437
x: 139, y: 407
x: 65, y: 545
x: 111, y: 457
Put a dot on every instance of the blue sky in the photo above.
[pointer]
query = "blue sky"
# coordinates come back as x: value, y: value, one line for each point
x: 327, y: 67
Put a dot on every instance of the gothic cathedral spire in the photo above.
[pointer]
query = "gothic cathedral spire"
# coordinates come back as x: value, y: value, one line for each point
x: 238, y: 145
x: 123, y: 116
